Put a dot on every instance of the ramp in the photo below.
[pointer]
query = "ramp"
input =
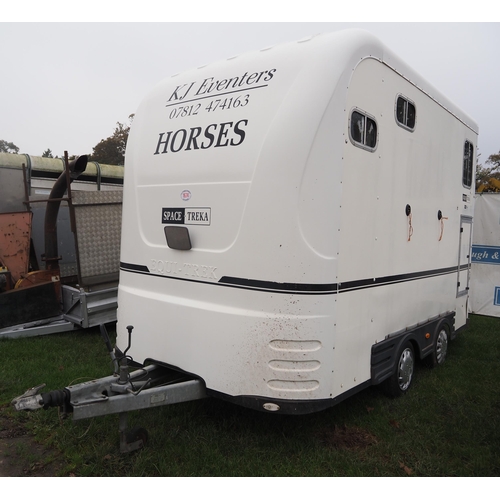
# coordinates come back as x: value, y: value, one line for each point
x: 97, y: 225
x: 98, y: 217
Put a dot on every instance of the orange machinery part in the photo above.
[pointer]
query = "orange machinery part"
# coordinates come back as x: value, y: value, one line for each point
x: 15, y: 234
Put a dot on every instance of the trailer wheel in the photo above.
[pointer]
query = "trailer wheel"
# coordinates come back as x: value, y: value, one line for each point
x: 400, y: 381
x: 438, y: 355
x: 137, y: 434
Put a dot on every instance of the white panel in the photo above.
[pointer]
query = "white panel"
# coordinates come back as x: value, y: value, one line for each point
x: 485, y: 272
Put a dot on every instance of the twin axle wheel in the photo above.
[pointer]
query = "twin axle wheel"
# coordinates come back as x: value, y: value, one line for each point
x: 438, y: 356
x: 400, y: 380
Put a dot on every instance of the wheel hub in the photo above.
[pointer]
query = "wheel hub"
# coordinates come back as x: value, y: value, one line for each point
x: 441, y: 346
x: 405, y: 371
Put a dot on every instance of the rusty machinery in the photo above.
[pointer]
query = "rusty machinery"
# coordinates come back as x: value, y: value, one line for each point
x: 28, y: 293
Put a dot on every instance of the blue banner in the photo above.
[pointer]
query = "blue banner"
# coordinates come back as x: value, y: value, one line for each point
x: 485, y: 254
x: 496, y: 299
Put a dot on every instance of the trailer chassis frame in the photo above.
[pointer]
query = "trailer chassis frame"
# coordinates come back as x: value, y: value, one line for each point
x: 147, y: 387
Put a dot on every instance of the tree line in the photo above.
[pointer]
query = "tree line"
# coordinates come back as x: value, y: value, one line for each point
x: 488, y: 172
x: 110, y: 151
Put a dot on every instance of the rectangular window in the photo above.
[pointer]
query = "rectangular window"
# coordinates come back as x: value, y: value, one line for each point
x: 405, y: 113
x: 371, y: 133
x: 468, y: 166
x: 363, y: 130
x: 357, y: 127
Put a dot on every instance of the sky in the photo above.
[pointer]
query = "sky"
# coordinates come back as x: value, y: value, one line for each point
x: 64, y: 85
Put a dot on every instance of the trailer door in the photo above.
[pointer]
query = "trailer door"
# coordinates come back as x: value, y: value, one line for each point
x: 464, y: 255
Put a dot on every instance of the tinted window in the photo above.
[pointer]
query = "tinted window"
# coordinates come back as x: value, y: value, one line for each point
x: 405, y: 113
x: 410, y: 117
x: 363, y: 130
x: 467, y: 170
x: 400, y: 110
x: 357, y: 127
x: 371, y: 133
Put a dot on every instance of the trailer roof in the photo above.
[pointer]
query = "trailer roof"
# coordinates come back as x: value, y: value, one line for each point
x: 354, y: 45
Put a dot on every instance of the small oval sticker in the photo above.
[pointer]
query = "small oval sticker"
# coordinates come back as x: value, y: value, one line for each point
x: 186, y: 195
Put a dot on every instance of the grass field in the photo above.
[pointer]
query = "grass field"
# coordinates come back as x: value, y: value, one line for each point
x: 447, y: 425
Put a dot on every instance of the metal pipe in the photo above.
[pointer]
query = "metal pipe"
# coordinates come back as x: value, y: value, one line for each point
x: 98, y: 175
x: 28, y: 168
x: 75, y: 168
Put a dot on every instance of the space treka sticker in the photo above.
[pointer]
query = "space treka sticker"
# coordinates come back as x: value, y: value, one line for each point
x: 188, y: 216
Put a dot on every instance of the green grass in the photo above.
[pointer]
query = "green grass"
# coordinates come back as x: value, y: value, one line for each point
x: 447, y: 425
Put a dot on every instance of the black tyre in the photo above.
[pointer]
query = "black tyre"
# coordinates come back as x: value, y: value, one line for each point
x: 400, y: 381
x: 440, y: 349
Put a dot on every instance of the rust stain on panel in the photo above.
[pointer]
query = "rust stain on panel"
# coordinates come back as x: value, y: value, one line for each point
x: 15, y: 234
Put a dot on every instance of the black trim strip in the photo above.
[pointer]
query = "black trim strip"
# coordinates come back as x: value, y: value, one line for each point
x: 134, y: 268
x: 272, y: 286
x: 398, y: 278
x: 305, y: 288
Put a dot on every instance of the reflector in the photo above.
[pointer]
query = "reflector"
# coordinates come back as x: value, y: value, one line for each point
x: 178, y: 237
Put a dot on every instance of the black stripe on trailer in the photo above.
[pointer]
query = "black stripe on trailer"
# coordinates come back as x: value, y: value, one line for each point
x: 303, y: 288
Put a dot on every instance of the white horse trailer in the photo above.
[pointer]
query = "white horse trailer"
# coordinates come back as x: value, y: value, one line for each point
x: 296, y: 227
x: 294, y: 219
